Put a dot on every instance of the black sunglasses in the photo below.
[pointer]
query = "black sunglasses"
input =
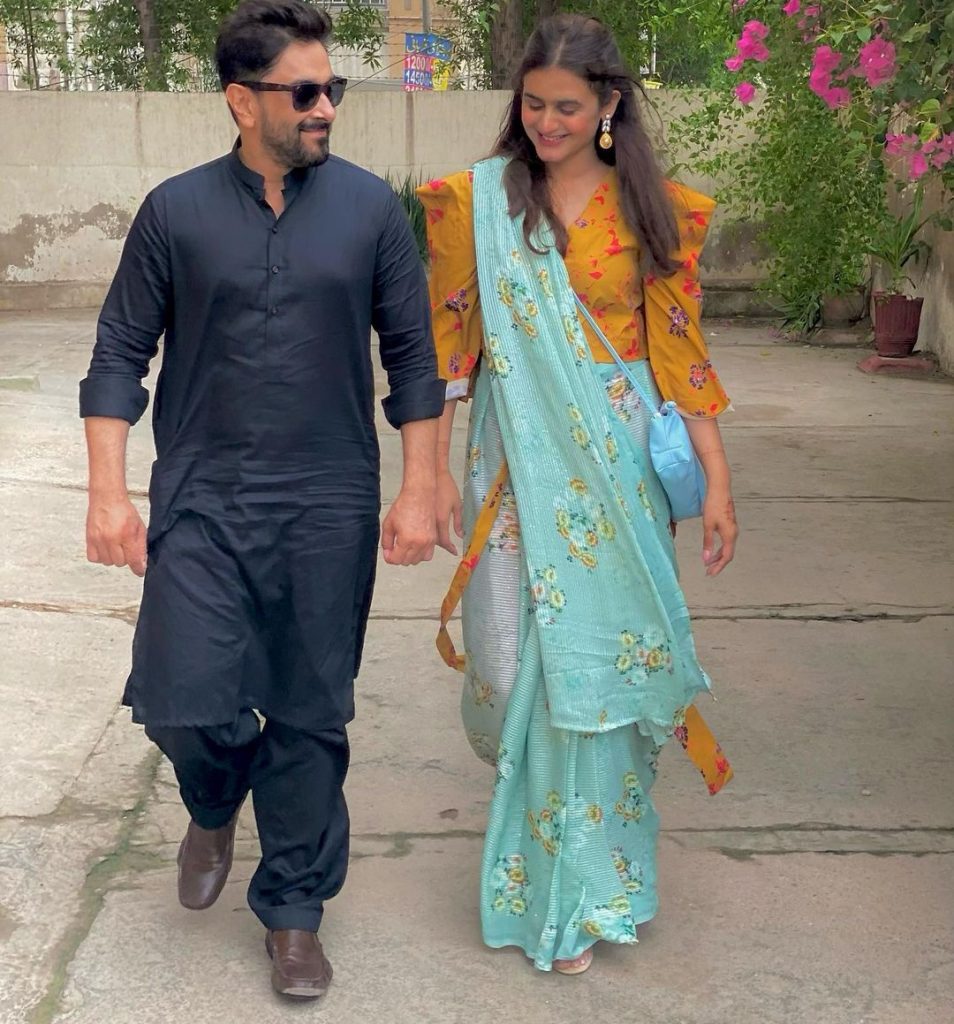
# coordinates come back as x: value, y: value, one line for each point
x: 304, y: 95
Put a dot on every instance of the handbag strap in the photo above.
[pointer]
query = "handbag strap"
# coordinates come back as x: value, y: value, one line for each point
x: 630, y: 376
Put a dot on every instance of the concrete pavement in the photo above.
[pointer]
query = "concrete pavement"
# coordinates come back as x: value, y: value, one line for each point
x: 817, y: 887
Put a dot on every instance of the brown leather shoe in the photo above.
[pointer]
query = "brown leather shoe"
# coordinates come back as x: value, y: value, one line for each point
x: 205, y: 859
x: 299, y: 965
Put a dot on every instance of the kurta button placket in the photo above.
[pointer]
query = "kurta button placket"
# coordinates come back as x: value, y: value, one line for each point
x: 274, y: 251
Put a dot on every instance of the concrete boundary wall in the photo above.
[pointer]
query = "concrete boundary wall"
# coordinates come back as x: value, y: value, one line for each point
x: 934, y: 280
x: 75, y: 166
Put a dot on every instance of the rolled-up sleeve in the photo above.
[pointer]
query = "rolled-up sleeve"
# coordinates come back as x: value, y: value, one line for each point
x: 132, y: 320
x: 401, y: 316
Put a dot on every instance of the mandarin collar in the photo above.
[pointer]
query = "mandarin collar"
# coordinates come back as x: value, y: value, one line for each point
x: 254, y: 181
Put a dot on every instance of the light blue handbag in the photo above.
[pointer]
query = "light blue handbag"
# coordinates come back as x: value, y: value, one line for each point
x: 670, y: 448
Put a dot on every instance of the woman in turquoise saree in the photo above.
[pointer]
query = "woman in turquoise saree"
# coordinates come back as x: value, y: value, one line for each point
x: 578, y: 656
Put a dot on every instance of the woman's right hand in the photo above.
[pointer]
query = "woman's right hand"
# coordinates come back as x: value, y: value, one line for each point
x: 448, y: 511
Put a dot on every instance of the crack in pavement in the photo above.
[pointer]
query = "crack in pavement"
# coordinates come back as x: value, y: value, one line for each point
x: 781, y: 615
x: 125, y: 613
x: 907, y: 838
x: 823, y: 499
x: 58, y: 485
x: 779, y: 612
x: 67, y: 809
x: 806, y: 499
x: 819, y: 826
x: 843, y: 428
x: 93, y: 892
x: 767, y: 613
x: 742, y: 842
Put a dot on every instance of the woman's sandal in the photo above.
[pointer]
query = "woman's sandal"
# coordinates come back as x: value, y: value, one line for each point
x: 577, y: 966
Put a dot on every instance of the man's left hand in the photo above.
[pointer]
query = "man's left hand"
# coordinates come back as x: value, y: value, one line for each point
x: 409, y: 532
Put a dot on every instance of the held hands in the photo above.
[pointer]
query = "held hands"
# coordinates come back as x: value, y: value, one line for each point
x: 115, y: 534
x: 718, y: 517
x: 409, y: 532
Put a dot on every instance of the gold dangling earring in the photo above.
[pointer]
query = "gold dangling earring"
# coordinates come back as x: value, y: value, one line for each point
x: 606, y: 139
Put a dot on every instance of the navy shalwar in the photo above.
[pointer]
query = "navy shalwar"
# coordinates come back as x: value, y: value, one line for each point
x: 265, y: 492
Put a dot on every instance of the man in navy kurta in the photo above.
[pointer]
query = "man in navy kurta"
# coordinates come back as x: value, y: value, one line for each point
x: 265, y: 271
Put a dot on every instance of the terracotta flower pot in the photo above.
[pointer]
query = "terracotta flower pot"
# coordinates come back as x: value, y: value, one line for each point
x: 896, y: 322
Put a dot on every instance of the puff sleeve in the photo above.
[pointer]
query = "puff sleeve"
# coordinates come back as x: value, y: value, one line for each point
x: 677, y: 350
x: 455, y: 303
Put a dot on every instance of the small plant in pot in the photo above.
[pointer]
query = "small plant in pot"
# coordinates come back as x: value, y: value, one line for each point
x: 897, y: 317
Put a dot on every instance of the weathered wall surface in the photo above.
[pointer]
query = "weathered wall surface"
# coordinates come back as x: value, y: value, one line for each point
x: 75, y: 166
x: 935, y: 281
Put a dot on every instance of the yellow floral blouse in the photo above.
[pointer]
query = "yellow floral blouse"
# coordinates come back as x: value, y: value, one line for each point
x: 654, y: 317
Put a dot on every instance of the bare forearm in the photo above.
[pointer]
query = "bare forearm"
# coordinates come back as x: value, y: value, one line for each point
x: 409, y: 530
x: 115, y: 534
x: 106, y: 448
x: 707, y: 442
x: 419, y: 440
x: 444, y: 435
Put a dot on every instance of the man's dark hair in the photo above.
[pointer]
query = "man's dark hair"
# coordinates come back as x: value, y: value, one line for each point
x: 255, y: 34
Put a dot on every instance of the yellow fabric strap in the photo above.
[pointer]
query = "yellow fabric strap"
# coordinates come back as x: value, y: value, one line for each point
x: 695, y: 736
x: 468, y: 563
x: 703, y: 750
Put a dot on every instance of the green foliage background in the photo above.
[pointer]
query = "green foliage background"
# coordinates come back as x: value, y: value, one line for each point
x: 814, y: 180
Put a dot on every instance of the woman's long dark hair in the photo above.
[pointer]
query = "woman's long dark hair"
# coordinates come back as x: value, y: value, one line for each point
x: 585, y: 47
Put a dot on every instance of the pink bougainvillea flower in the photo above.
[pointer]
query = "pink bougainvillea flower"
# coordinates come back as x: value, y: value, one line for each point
x: 918, y: 166
x: 819, y: 81
x: 813, y: 11
x: 825, y: 59
x: 737, y: 5
x: 941, y: 151
x: 896, y: 144
x: 792, y: 7
x: 750, y: 48
x: 917, y: 159
x: 876, y: 59
x: 755, y: 30
x: 745, y: 92
x: 750, y: 45
x: 837, y: 96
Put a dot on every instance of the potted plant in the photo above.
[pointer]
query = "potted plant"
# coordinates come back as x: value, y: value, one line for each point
x: 897, y: 317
